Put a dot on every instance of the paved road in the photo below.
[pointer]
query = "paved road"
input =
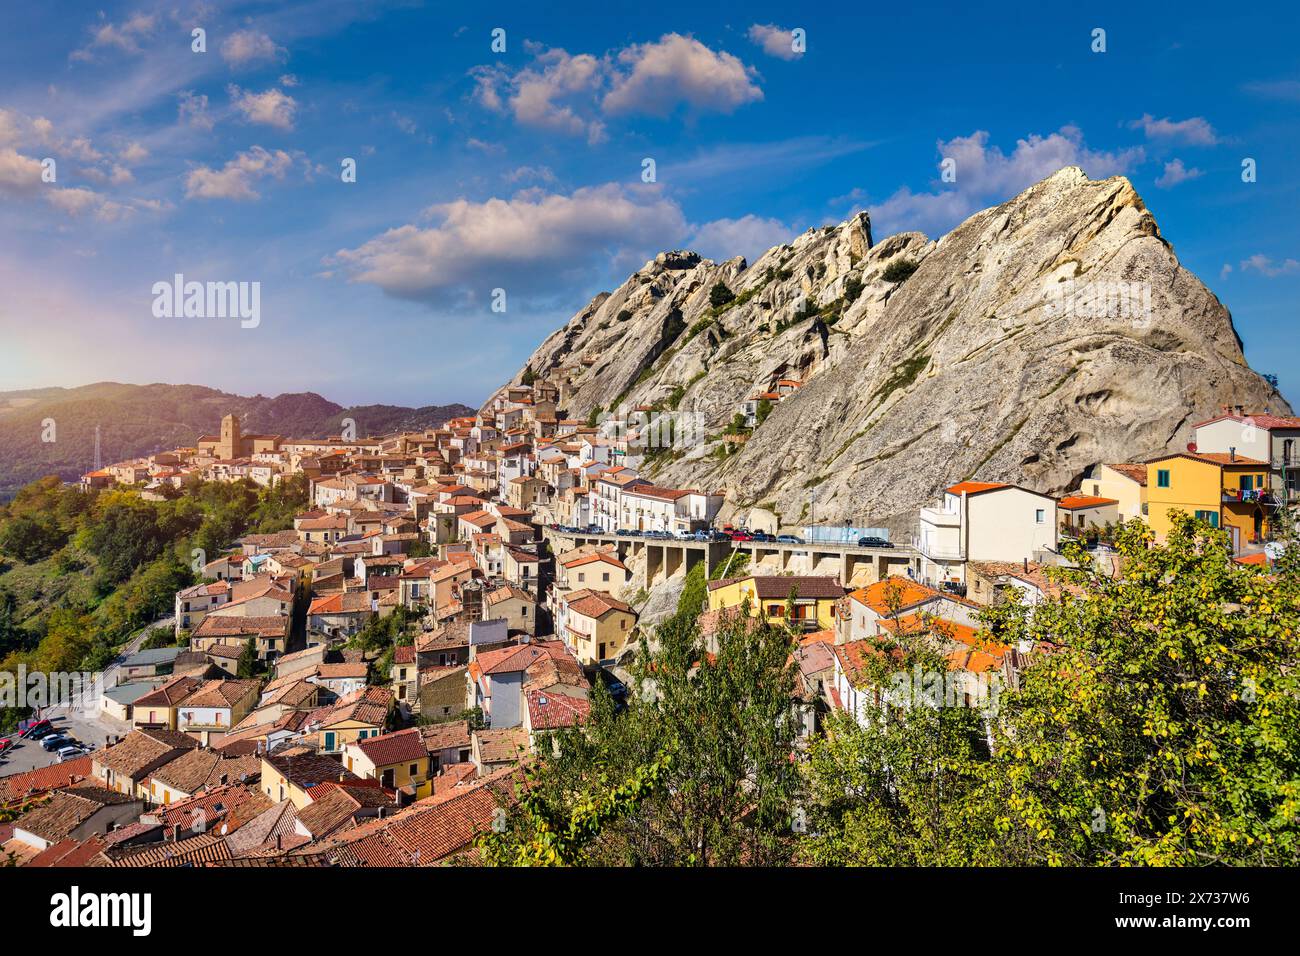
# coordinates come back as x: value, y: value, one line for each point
x: 90, y: 726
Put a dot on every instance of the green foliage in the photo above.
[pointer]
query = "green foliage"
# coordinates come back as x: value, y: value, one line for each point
x: 901, y: 378
x: 696, y: 771
x: 764, y: 409
x: 899, y: 270
x: 547, y: 838
x: 119, y: 562
x: 852, y: 288
x: 1158, y: 726
x: 720, y: 295
x: 528, y: 377
x: 247, y: 664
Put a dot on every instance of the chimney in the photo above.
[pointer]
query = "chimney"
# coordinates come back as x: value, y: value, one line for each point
x: 1026, y: 560
x: 1232, y: 454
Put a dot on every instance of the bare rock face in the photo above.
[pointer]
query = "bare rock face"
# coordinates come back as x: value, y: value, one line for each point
x: 1038, y: 338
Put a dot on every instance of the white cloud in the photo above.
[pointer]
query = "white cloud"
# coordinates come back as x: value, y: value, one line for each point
x: 775, y: 41
x: 9, y: 134
x: 678, y: 70
x: 272, y: 107
x: 1268, y: 267
x: 536, y: 174
x: 19, y: 175
x: 124, y: 36
x: 985, y: 175
x: 79, y: 201
x: 548, y: 93
x: 749, y: 236
x: 1195, y: 131
x: 1275, y: 89
x: 1175, y: 173
x: 567, y: 93
x: 133, y: 153
x: 193, y: 110
x: 248, y: 46
x: 534, y: 242
x: 235, y: 180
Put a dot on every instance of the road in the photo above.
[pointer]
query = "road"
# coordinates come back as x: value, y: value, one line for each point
x: 88, y: 725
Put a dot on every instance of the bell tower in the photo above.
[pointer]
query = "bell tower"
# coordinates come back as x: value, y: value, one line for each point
x: 230, y: 442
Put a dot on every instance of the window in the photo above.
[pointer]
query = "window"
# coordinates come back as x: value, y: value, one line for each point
x: 1040, y: 515
x: 1162, y: 478
x: 1247, y: 482
x: 1210, y: 516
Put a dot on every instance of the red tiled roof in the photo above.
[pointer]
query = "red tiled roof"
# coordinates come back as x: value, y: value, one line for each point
x: 404, y: 746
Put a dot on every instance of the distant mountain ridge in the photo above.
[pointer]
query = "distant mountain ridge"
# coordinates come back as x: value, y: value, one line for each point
x: 137, y: 420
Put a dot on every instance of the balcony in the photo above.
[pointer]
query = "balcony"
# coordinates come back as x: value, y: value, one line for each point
x: 939, y: 518
x: 1256, y: 496
x: 935, y: 553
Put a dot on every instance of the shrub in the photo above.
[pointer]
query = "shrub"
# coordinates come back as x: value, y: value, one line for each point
x: 899, y: 270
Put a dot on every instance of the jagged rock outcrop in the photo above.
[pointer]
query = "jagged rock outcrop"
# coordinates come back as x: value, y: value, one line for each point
x: 1038, y: 338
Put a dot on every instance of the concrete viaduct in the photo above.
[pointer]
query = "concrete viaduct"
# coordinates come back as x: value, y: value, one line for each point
x: 664, y: 558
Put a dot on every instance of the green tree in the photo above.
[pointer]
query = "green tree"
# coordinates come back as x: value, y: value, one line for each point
x: 720, y: 295
x: 247, y: 665
x: 1156, y: 723
x: 723, y: 712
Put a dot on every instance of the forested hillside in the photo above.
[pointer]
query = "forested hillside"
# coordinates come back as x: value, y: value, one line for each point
x: 81, y: 572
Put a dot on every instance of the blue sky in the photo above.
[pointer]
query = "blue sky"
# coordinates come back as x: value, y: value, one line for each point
x: 522, y: 169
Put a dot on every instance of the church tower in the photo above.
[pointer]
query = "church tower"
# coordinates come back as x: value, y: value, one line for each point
x: 230, y: 441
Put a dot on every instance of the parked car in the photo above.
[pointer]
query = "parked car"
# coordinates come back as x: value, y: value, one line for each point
x: 789, y: 539
x: 624, y: 531
x: 70, y: 753
x: 595, y: 529
x: 763, y: 536
x: 6, y: 745
x: 871, y: 541
x: 719, y: 536
x: 35, y: 729
x: 741, y: 536
x: 55, y: 741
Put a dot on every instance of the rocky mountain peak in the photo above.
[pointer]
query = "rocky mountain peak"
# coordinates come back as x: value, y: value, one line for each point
x: 1035, y: 340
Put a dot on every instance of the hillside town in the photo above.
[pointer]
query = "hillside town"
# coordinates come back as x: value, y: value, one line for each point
x: 514, y: 554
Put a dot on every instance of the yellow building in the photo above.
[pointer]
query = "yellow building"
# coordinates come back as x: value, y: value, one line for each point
x: 355, y: 716
x: 814, y: 598
x: 1223, y: 489
x: 395, y: 760
x: 594, y: 624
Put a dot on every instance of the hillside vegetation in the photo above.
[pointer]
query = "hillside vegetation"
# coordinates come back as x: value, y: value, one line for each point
x: 81, y: 572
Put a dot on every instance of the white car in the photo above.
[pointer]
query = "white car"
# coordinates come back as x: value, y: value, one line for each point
x: 70, y: 753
